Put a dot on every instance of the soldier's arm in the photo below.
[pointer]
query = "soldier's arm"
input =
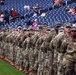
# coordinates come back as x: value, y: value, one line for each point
x: 52, y: 46
x: 63, y: 47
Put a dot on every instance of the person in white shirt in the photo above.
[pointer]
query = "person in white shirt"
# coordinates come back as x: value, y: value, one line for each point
x: 27, y: 7
x: 35, y: 14
x: 2, y: 18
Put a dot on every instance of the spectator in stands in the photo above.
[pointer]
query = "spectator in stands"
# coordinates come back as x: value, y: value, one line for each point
x: 6, y: 16
x: 1, y: 19
x: 27, y: 7
x: 36, y: 6
x: 14, y: 13
x: 35, y: 23
x: 29, y: 23
x: 72, y: 10
x: 43, y: 14
x: 35, y: 14
x: 1, y: 2
x: 57, y: 2
x: 39, y: 13
x: 1, y: 12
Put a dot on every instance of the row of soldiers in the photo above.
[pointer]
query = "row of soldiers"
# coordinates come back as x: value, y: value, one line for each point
x: 42, y: 51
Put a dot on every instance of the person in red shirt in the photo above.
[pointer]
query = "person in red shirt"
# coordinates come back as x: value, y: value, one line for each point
x: 37, y: 6
x: 35, y: 23
x: 13, y: 13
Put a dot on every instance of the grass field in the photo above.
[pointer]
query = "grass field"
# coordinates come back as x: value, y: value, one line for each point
x: 7, y: 69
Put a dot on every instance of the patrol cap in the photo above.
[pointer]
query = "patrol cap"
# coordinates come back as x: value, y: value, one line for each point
x: 57, y: 24
x: 30, y: 28
x: 73, y: 29
x: 61, y: 29
x: 48, y: 29
x: 39, y: 27
x: 19, y: 27
x: 24, y: 29
x: 67, y: 25
x: 45, y: 23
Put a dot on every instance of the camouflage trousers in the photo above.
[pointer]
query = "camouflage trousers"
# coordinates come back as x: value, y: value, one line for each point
x: 59, y: 62
x: 36, y: 59
x: 69, y: 65
x: 2, y: 50
x: 26, y: 58
x: 45, y: 63
x: 47, y: 69
x: 55, y: 58
x: 31, y: 59
x: 40, y: 64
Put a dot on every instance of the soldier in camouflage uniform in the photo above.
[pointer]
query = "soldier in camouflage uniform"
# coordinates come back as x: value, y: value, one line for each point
x: 33, y: 51
x: 3, y: 44
x: 56, y: 46
x: 61, y: 44
x: 53, y: 48
x: 35, y: 37
x: 40, y: 54
x: 25, y: 52
x: 69, y: 59
x: 47, y: 53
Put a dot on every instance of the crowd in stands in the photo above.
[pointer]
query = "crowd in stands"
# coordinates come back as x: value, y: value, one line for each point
x: 8, y: 16
x: 5, y: 15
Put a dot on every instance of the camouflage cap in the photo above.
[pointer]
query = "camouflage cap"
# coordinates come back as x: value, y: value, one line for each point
x: 48, y: 29
x: 61, y: 29
x: 24, y: 29
x: 30, y: 28
x: 67, y: 24
x: 57, y: 24
x: 44, y: 23
x: 73, y: 29
x: 19, y: 27
x: 39, y: 27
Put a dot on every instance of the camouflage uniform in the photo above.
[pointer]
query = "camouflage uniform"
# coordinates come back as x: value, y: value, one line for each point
x: 57, y: 48
x: 35, y: 61
x: 31, y: 54
x: 39, y: 61
x: 47, y: 54
x: 54, y: 46
x: 25, y: 53
x: 69, y: 59
x: 2, y: 39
